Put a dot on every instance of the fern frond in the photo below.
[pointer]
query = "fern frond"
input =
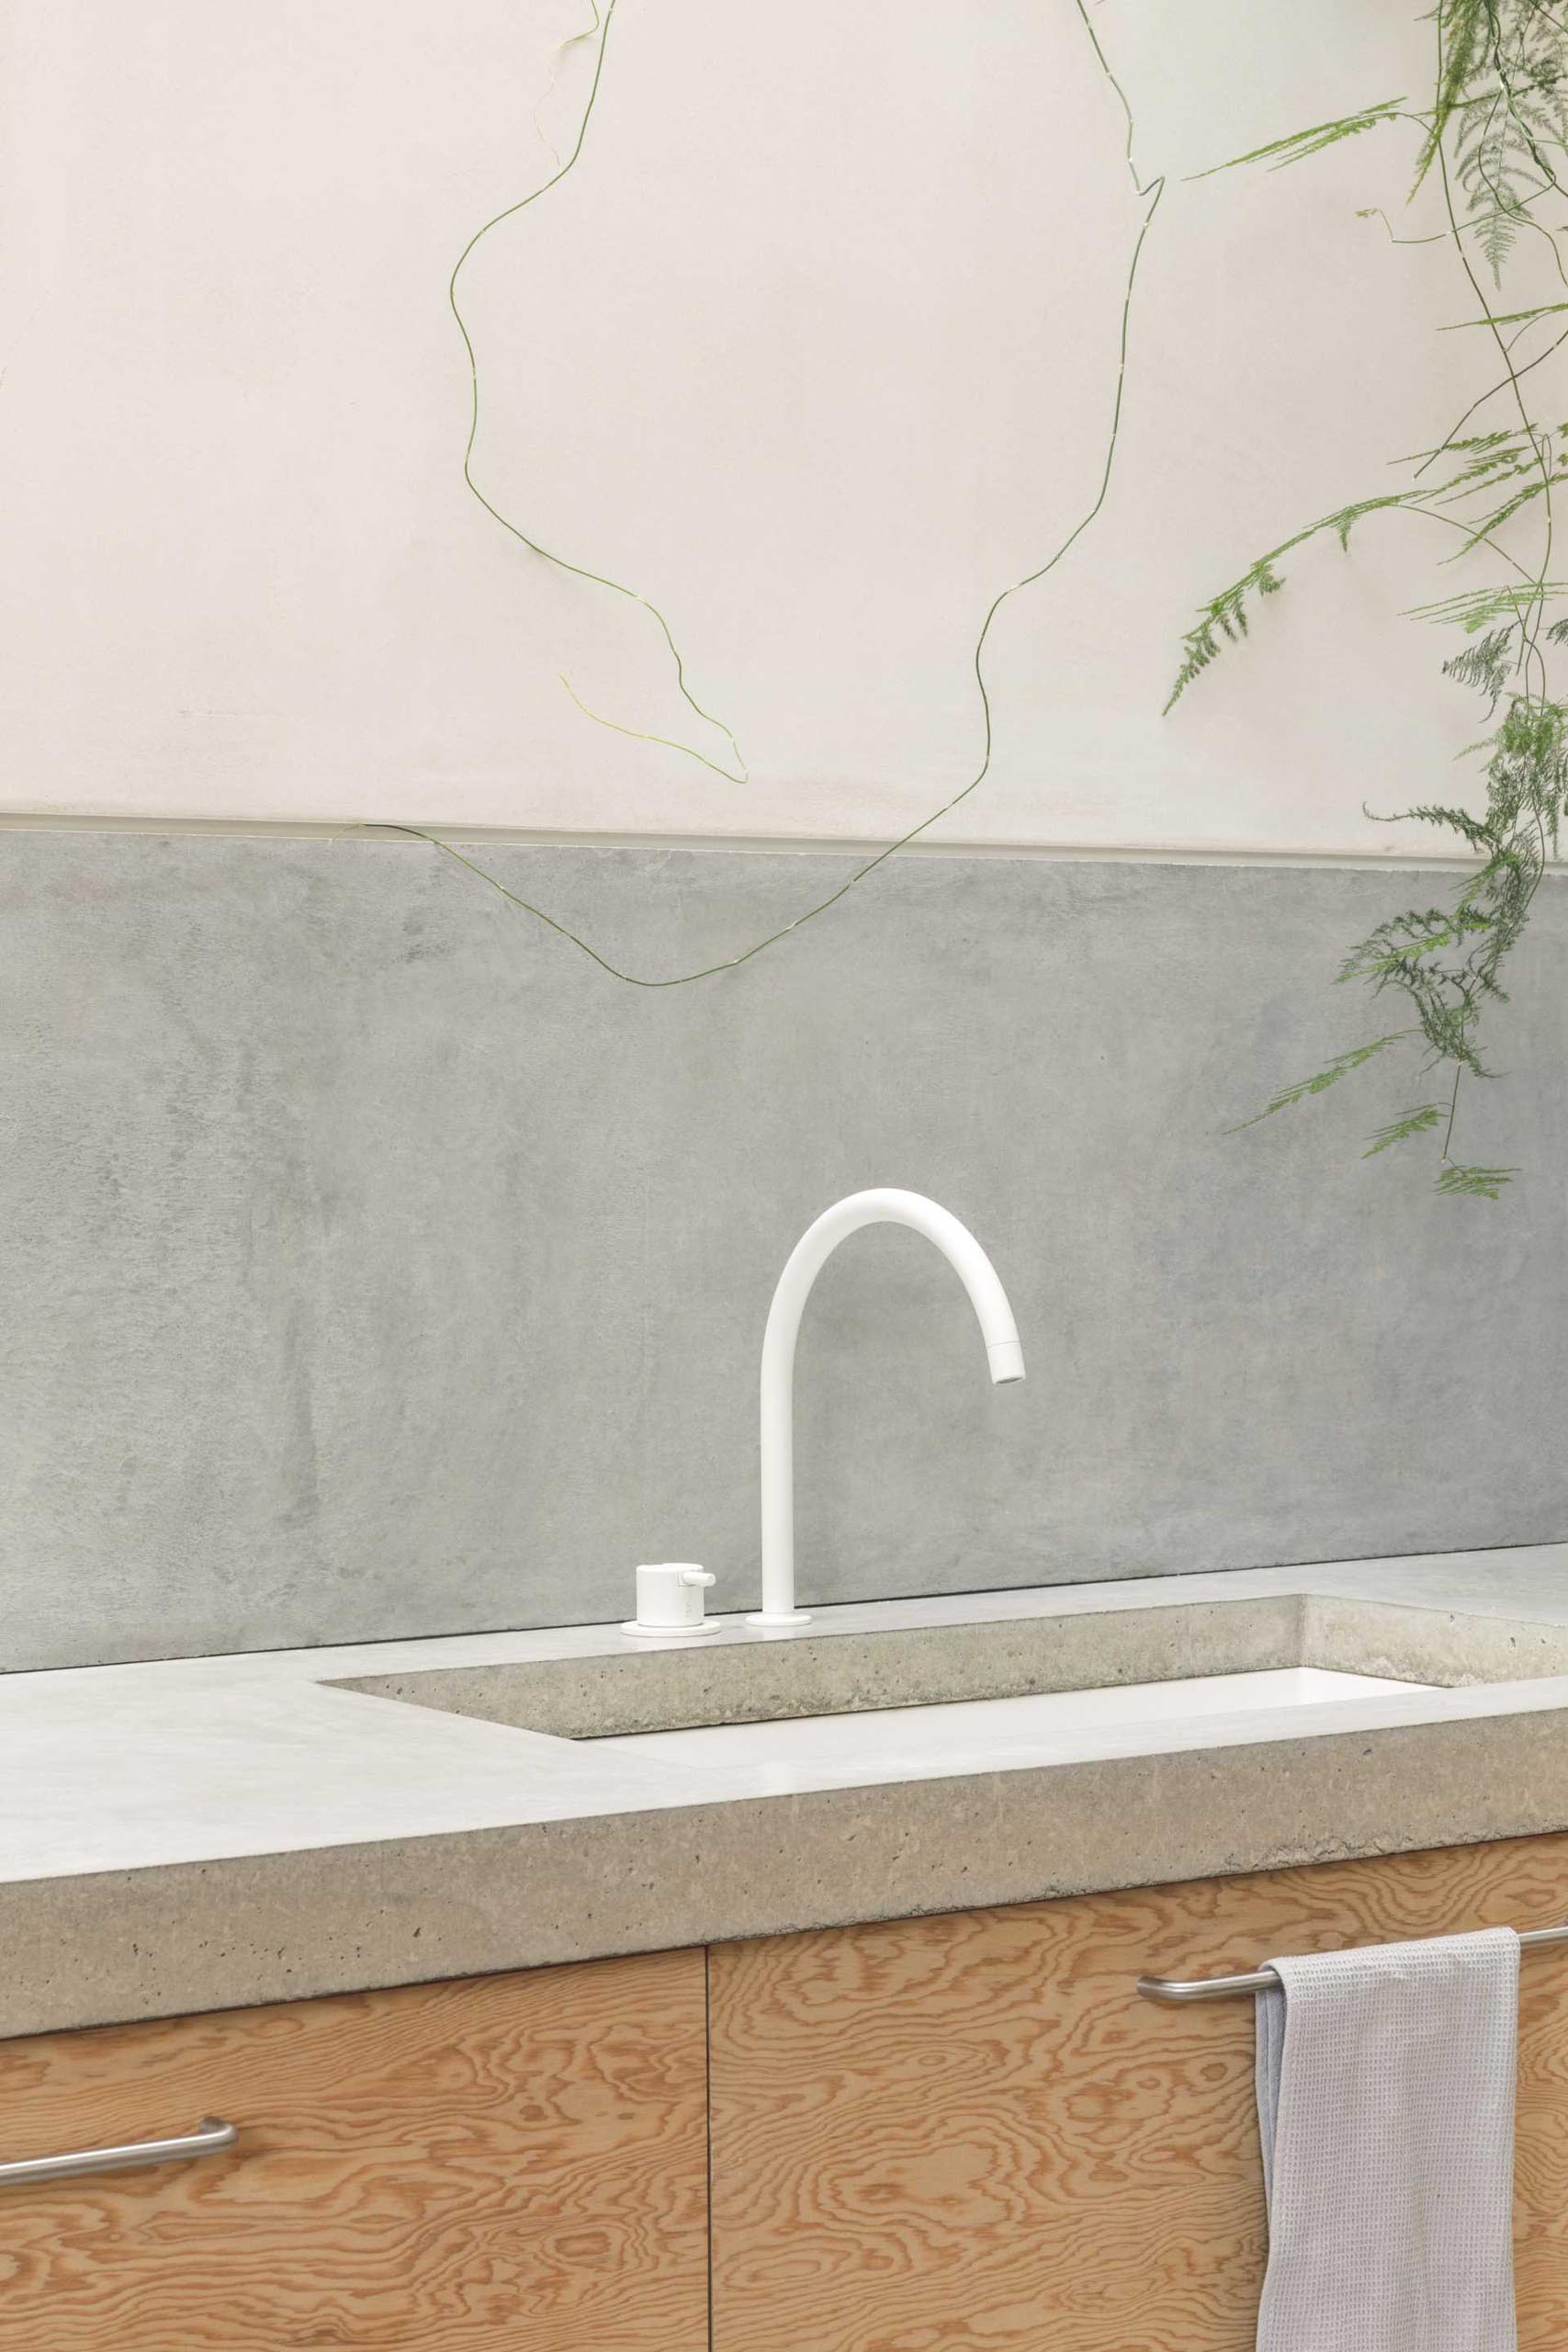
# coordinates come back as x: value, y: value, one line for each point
x: 1474, y: 609
x: 1409, y: 1123
x: 1449, y: 962
x: 1352, y: 1059
x: 1484, y: 527
x: 1298, y: 145
x: 1477, y: 1184
x: 1486, y: 456
x: 1486, y: 461
x: 1504, y: 318
x: 1497, y: 131
x: 1223, y: 620
x: 1463, y: 27
x: 1475, y: 832
x: 1484, y: 667
x: 1501, y: 105
x: 1394, y: 949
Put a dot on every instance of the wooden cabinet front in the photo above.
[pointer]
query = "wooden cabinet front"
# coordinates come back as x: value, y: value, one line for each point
x: 512, y: 2161
x: 968, y: 2133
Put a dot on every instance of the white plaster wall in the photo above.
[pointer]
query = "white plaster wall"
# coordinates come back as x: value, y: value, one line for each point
x: 815, y: 346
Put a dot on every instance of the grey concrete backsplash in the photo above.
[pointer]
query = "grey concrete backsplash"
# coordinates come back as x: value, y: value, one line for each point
x: 373, y: 1265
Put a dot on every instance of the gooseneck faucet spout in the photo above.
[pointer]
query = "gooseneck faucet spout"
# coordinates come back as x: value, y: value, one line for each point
x: 811, y: 1252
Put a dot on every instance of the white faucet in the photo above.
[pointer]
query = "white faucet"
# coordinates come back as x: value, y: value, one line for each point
x: 810, y: 1253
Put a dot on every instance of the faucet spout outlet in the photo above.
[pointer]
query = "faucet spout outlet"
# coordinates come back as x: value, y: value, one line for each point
x: 1004, y: 1355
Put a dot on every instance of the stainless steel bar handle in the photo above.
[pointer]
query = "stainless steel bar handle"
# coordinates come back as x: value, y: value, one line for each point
x: 209, y: 2138
x: 1174, y: 1989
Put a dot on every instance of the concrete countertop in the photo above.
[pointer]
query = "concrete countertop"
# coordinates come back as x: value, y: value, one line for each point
x: 207, y: 1832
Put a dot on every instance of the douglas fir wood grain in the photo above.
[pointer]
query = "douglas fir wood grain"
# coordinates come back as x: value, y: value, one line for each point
x: 967, y: 2134
x: 512, y: 2161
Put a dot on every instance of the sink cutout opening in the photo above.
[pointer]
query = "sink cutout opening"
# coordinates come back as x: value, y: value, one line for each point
x: 987, y: 1735
x: 1088, y: 1663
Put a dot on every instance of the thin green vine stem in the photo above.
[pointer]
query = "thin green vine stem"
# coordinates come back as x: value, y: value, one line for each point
x: 1140, y: 187
x: 563, y: 50
x: 548, y: 554
x: 1445, y: 1155
x: 1502, y: 385
x: 1150, y: 192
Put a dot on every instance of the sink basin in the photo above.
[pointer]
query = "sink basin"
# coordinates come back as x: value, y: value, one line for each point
x: 985, y: 1735
x: 837, y: 1704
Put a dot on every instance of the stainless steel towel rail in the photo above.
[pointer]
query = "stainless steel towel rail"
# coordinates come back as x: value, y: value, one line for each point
x: 1175, y: 1989
x: 209, y: 2138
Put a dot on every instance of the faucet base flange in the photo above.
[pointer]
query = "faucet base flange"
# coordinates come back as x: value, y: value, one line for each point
x: 670, y: 1633
x: 782, y: 1617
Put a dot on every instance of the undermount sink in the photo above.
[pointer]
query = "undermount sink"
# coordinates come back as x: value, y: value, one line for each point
x: 888, y: 1703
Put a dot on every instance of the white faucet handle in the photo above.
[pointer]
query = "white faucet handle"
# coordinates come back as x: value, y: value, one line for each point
x: 669, y: 1599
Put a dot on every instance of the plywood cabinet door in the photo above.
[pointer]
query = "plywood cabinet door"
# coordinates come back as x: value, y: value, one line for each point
x: 511, y: 2161
x: 968, y: 2133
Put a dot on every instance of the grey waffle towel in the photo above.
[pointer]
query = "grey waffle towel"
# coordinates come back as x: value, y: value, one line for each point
x: 1385, y: 2105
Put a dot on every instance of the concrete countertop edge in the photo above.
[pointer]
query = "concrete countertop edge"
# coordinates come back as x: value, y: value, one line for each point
x: 569, y: 1874
x: 165, y: 1939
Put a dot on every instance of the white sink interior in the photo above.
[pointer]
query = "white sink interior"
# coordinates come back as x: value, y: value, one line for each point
x: 845, y: 1702
x: 981, y: 1735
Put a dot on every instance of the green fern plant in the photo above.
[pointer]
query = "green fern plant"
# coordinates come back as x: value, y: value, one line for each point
x: 1493, y: 142
x: 1501, y: 106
